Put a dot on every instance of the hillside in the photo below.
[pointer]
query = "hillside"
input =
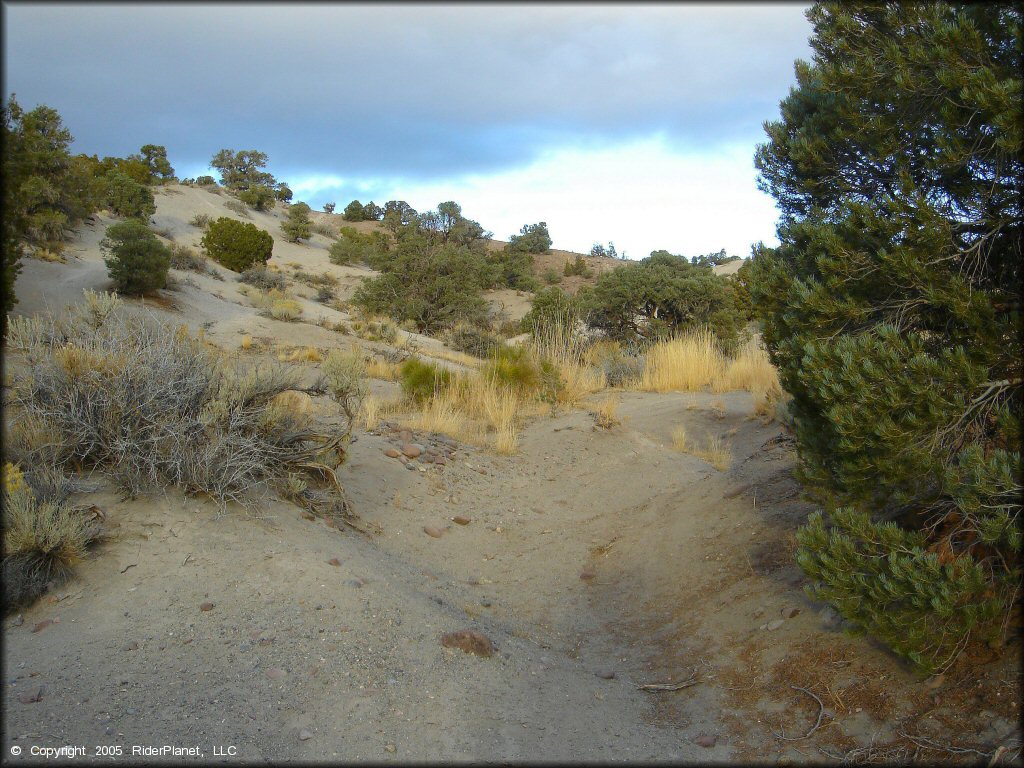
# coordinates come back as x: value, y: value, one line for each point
x: 643, y: 603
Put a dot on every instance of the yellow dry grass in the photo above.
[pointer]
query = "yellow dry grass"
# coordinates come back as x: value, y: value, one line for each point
x: 375, y: 408
x: 560, y: 344
x: 605, y: 412
x: 713, y: 451
x: 688, y: 363
x: 247, y: 342
x: 382, y: 369
x: 751, y: 370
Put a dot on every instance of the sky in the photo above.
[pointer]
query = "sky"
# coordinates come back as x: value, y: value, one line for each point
x: 634, y: 123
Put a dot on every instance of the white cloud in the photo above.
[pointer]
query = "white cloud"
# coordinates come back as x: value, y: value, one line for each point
x: 643, y: 196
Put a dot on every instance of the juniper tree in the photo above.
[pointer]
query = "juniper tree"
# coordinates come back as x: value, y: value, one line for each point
x: 892, y: 310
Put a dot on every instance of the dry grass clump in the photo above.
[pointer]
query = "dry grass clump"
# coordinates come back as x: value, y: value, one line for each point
x: 713, y: 451
x: 263, y: 279
x: 688, y: 363
x: 300, y: 355
x: 150, y: 405
x: 753, y: 371
x: 375, y: 408
x: 605, y: 412
x: 200, y: 220
x: 383, y: 369
x: 237, y: 207
x: 376, y: 329
x: 276, y: 303
x: 286, y: 310
x: 564, y: 348
x: 44, y: 538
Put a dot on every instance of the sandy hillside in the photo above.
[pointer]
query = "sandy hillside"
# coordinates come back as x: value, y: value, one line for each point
x: 642, y: 604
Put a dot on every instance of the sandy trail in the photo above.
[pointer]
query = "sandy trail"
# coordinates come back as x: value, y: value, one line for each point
x: 595, y: 560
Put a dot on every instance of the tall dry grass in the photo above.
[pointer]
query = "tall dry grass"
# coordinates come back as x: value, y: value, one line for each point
x: 689, y: 362
x: 561, y: 345
x: 693, y: 362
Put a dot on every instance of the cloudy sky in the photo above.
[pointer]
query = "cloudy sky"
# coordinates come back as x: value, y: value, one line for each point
x: 633, y: 123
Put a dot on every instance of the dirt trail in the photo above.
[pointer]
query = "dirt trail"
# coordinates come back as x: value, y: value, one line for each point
x: 596, y: 561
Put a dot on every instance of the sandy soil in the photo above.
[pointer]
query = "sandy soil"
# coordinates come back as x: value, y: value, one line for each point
x: 596, y: 561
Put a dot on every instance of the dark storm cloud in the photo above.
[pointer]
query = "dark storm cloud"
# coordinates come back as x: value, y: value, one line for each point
x: 411, y: 90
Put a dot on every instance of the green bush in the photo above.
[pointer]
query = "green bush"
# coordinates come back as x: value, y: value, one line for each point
x: 262, y: 278
x: 551, y: 277
x: 184, y: 258
x: 576, y: 266
x: 550, y: 306
x: 532, y: 238
x: 512, y: 367
x: 237, y: 245
x: 206, y: 181
x: 892, y: 309
x: 420, y: 380
x: 258, y: 197
x: 127, y: 198
x: 283, y: 192
x: 472, y: 339
x: 136, y: 261
x: 297, y: 226
x: 354, y: 212
x: 659, y: 296
x: 434, y: 286
x: 353, y: 247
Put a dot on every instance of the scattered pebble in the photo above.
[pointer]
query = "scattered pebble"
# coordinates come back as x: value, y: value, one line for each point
x: 431, y: 530
x: 606, y: 674
x: 392, y: 453
x: 771, y: 626
x: 275, y: 673
x: 587, y: 574
x: 334, y: 561
x: 460, y: 520
x: 789, y: 612
x: 469, y: 641
x: 132, y: 646
x: 305, y: 734
x: 705, y: 741
x: 411, y: 450
x: 42, y: 625
x: 355, y: 583
x: 18, y: 621
x: 389, y: 748
x: 206, y: 607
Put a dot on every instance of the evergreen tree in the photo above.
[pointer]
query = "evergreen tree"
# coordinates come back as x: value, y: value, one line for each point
x: 892, y: 309
x: 298, y: 225
x: 136, y: 261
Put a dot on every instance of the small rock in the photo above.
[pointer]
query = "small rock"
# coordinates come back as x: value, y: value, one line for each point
x: 419, y: 446
x: 109, y: 731
x: 789, y: 612
x: 265, y: 640
x: 433, y: 531
x: 405, y: 436
x: 411, y: 450
x: 131, y: 711
x: 305, y: 734
x: 705, y: 741
x: 18, y: 621
x: 587, y: 574
x: 42, y: 625
x: 389, y: 748
x: 355, y: 583
x: 481, y: 470
x: 132, y: 646
x: 460, y: 520
x: 334, y: 561
x: 469, y: 641
x: 771, y: 626
x: 275, y: 673
x: 410, y: 465
x: 759, y: 613
x: 440, y: 461
x: 606, y: 674
x: 392, y: 453
x: 206, y: 607
x: 32, y: 697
